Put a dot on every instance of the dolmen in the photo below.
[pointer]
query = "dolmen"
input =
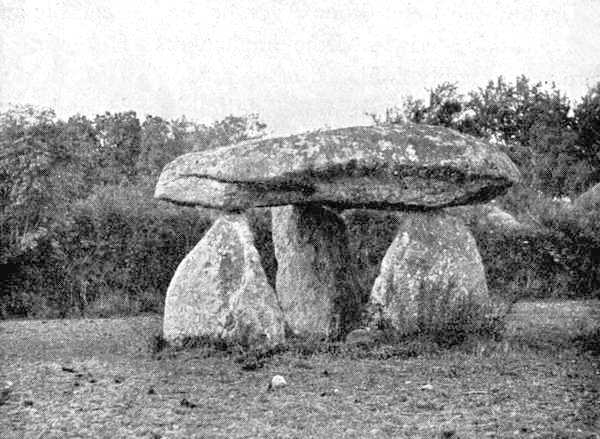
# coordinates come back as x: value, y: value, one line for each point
x: 220, y: 289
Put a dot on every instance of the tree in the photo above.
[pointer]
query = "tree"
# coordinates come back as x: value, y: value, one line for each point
x: 445, y: 104
x: 119, y: 138
x: 79, y: 143
x: 45, y: 164
x: 444, y: 108
x: 587, y: 116
x: 29, y: 154
x: 162, y: 141
x: 230, y: 130
x: 156, y: 146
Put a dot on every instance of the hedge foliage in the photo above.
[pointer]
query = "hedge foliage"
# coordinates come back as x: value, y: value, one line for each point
x: 112, y: 253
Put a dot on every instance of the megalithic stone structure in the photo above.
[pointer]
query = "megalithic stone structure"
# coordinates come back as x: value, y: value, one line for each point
x: 396, y: 167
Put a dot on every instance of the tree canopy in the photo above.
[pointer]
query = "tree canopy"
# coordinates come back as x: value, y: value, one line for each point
x: 47, y: 163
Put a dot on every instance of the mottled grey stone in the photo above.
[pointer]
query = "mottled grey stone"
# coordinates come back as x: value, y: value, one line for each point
x: 220, y: 290
x: 396, y: 166
x: 315, y: 280
x: 589, y: 201
x: 493, y: 218
x: 431, y: 273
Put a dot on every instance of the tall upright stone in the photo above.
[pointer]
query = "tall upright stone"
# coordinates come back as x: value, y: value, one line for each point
x: 220, y: 290
x: 430, y: 276
x: 315, y: 283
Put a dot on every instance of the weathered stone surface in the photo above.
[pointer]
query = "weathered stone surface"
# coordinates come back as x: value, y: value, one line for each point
x: 502, y: 219
x: 397, y: 166
x: 220, y: 290
x: 315, y: 281
x: 431, y: 272
x: 589, y: 201
x: 491, y: 217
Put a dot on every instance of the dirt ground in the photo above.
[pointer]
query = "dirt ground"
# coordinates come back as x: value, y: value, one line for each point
x: 97, y: 378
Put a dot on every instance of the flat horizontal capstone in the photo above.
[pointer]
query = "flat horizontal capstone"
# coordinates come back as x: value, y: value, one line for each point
x: 396, y: 166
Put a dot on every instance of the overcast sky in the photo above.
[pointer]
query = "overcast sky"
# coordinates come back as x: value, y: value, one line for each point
x: 299, y: 64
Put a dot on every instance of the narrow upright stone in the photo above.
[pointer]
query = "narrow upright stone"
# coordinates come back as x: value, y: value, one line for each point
x: 315, y: 282
x: 431, y: 274
x: 220, y: 290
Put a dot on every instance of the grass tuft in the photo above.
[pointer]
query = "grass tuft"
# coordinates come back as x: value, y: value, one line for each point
x: 447, y: 315
x: 157, y: 343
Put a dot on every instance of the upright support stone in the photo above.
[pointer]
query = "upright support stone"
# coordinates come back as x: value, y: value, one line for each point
x: 430, y: 276
x: 315, y: 282
x: 220, y: 290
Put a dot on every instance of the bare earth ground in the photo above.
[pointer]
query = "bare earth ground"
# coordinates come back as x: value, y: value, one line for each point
x: 97, y: 378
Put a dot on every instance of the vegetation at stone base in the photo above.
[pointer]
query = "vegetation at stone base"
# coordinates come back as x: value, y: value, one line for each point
x: 93, y: 378
x: 51, y: 169
x: 381, y: 345
x: 450, y: 322
x: 441, y: 325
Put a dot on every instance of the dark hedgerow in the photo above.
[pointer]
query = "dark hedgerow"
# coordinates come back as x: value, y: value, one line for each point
x: 131, y: 249
x: 113, y: 253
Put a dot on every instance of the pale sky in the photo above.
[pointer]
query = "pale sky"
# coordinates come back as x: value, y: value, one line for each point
x: 299, y: 64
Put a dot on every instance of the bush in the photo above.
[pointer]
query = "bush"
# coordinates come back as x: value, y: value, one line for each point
x: 559, y: 257
x: 574, y: 239
x: 126, y: 247
x: 518, y: 265
x: 260, y: 224
x: 113, y: 253
x: 34, y: 285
